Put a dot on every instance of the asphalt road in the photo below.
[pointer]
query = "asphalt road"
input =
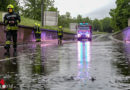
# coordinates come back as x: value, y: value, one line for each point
x: 102, y: 64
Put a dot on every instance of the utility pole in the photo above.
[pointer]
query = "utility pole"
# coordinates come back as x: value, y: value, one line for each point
x: 128, y: 22
x: 42, y: 12
x: 34, y: 9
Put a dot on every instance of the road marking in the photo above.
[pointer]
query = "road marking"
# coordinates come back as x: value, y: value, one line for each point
x: 7, y: 59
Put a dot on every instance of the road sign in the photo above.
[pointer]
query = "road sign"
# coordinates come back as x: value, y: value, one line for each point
x: 73, y: 26
x: 50, y: 18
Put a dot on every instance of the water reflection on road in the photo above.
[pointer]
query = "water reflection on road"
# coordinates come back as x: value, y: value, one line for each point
x: 70, y: 67
x: 84, y: 58
x: 30, y: 68
x: 123, y: 64
x: 127, y: 50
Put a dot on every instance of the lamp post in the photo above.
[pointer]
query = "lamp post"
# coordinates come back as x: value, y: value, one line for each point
x: 42, y: 12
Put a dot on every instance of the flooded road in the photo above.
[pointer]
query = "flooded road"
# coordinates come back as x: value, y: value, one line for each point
x: 102, y: 64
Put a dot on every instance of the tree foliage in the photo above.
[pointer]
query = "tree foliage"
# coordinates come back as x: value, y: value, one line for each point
x: 106, y: 24
x: 64, y: 20
x: 5, y: 3
x: 32, y: 8
x: 98, y: 25
x: 120, y: 15
x: 52, y: 8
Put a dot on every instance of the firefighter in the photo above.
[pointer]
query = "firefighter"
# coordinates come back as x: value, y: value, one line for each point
x: 60, y: 35
x: 11, y: 20
x: 37, y: 32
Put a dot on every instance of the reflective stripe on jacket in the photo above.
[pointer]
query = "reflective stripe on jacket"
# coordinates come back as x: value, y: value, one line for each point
x: 38, y: 31
x: 60, y: 32
x: 12, y: 27
x: 7, y: 42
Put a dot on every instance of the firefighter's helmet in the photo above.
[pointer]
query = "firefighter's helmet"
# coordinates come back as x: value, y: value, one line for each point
x: 35, y: 24
x: 38, y: 25
x: 10, y: 6
x: 60, y: 26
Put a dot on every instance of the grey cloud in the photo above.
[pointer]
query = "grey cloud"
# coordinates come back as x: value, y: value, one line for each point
x: 102, y: 12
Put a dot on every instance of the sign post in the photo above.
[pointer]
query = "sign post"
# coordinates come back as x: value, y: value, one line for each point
x: 129, y: 22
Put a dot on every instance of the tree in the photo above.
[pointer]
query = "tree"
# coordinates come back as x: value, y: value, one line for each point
x: 62, y: 21
x: 113, y: 20
x: 97, y: 26
x: 106, y: 24
x: 120, y: 15
x: 5, y: 3
x: 79, y: 18
x: 88, y: 20
x: 68, y: 16
x: 32, y: 8
x: 52, y: 8
x: 65, y: 20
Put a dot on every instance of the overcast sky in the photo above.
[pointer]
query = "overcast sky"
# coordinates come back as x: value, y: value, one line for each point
x: 91, y: 8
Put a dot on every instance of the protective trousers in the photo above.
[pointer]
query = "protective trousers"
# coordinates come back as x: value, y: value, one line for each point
x: 11, y: 34
x: 38, y: 37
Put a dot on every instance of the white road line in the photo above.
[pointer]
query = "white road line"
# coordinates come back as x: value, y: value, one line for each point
x: 7, y: 59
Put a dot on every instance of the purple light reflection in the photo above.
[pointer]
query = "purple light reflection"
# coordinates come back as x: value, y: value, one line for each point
x: 126, y: 35
x: 43, y: 36
x: 84, y: 59
x: 127, y: 51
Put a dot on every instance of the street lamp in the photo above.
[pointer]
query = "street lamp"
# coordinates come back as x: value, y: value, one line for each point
x: 42, y: 12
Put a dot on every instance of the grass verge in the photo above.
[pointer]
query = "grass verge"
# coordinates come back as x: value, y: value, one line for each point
x: 30, y: 22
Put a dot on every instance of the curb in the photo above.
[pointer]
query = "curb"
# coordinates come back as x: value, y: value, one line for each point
x: 117, y: 40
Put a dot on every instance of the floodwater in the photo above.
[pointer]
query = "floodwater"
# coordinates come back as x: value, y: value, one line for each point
x: 102, y: 64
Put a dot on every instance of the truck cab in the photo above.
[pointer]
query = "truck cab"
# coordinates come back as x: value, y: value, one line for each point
x: 84, y: 31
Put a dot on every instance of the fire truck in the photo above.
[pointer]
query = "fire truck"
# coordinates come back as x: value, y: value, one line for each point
x: 84, y: 31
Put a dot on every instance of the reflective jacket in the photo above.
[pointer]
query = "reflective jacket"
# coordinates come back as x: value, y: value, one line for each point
x: 60, y: 32
x: 37, y: 30
x: 11, y: 20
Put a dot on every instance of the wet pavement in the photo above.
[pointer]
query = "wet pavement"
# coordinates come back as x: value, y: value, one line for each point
x: 102, y: 64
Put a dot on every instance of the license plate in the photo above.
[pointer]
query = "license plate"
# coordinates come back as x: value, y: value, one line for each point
x: 84, y: 39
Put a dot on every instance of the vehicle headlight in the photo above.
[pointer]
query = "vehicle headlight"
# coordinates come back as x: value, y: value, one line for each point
x: 79, y: 35
x: 87, y: 35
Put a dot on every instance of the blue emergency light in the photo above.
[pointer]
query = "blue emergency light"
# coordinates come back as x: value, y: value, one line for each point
x: 83, y: 23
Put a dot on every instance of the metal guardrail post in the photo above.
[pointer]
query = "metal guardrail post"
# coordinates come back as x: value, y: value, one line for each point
x: 129, y: 22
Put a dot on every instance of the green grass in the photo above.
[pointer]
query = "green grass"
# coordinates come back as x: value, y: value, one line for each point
x: 30, y: 22
x: 0, y: 16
